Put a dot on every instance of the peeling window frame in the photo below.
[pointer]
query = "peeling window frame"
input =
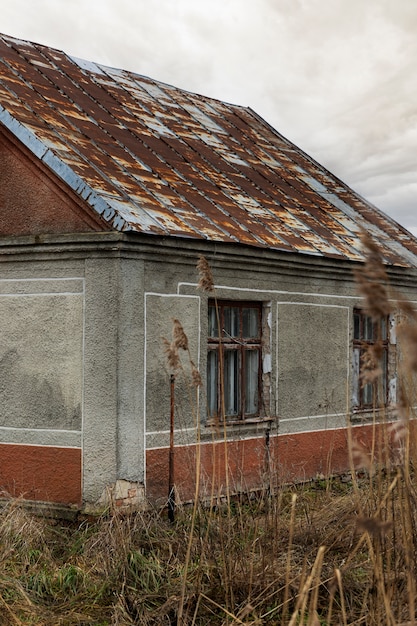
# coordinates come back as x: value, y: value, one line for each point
x: 238, y: 344
x: 366, y: 334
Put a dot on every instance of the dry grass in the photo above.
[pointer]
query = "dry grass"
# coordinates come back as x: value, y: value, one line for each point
x: 321, y: 553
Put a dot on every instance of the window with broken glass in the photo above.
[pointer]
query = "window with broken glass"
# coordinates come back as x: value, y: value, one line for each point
x: 234, y: 360
x: 370, y: 361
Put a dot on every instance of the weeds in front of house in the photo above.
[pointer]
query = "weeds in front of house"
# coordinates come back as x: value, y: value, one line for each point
x: 337, y: 551
x: 311, y: 554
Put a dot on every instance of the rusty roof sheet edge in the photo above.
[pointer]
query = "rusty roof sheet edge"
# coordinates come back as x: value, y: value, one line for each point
x: 402, y: 248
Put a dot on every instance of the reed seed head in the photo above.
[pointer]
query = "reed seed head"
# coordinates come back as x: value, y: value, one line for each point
x: 172, y: 355
x: 195, y: 376
x: 408, y: 334
x: 179, y: 338
x: 372, y: 280
x: 371, y: 358
x: 373, y: 526
x: 206, y: 282
x: 361, y: 456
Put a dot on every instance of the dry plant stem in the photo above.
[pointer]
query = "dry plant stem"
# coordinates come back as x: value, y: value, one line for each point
x: 407, y: 532
x: 365, y: 537
x: 12, y: 616
x: 194, y: 514
x: 197, y: 606
x: 302, y: 598
x: 378, y: 565
x: 288, y: 564
x: 206, y: 283
x: 352, y: 466
x: 330, y: 607
x: 312, y: 610
x: 235, y: 619
x: 251, y: 567
x: 226, y: 555
x: 338, y: 575
x: 372, y: 454
x: 382, y: 591
x: 222, y: 403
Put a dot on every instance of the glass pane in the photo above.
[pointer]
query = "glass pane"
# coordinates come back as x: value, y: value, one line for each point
x: 251, y: 381
x: 384, y: 329
x: 212, y: 372
x: 212, y: 322
x: 384, y: 367
x: 231, y: 321
x: 368, y: 328
x: 250, y: 322
x: 367, y: 394
x: 355, y: 377
x: 231, y: 382
x: 356, y: 326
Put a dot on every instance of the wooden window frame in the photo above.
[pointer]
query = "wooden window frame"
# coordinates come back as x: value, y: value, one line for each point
x: 367, y: 333
x: 217, y: 402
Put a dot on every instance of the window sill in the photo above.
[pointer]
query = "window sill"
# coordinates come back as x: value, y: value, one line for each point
x: 249, y: 422
x: 367, y: 415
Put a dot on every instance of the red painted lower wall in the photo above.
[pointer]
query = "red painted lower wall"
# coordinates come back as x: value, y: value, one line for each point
x: 256, y: 462
x: 43, y: 473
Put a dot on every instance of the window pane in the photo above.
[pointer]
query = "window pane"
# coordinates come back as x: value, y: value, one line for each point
x: 367, y: 334
x: 212, y: 369
x: 356, y: 326
x: 384, y: 329
x: 367, y: 394
x: 384, y: 367
x: 231, y: 382
x: 231, y: 321
x: 233, y: 359
x: 251, y: 381
x: 355, y: 377
x: 250, y: 322
x: 212, y: 322
x: 368, y: 328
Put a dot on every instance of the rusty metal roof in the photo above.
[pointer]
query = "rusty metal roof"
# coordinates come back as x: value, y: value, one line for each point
x: 155, y: 159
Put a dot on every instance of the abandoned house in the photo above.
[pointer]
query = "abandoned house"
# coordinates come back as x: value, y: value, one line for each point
x: 112, y: 186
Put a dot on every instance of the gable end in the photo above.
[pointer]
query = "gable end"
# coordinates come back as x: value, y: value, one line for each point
x: 34, y: 201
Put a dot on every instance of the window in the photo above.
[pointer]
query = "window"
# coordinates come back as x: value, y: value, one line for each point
x: 370, y: 361
x: 234, y: 360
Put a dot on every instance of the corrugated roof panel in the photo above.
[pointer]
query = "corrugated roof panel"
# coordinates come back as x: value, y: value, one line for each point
x: 156, y: 159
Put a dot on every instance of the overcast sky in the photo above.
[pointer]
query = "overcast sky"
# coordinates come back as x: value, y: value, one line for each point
x: 336, y: 77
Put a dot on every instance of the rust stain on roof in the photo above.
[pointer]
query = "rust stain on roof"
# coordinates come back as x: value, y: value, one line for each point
x: 151, y: 158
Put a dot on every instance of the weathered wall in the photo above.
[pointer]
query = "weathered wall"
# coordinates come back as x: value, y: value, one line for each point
x: 131, y: 372
x: 256, y: 463
x: 41, y: 354
x: 310, y: 305
x: 41, y: 373
x: 309, y: 319
x: 313, y: 362
x: 161, y: 310
x: 100, y: 375
x: 85, y: 380
x: 72, y: 346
